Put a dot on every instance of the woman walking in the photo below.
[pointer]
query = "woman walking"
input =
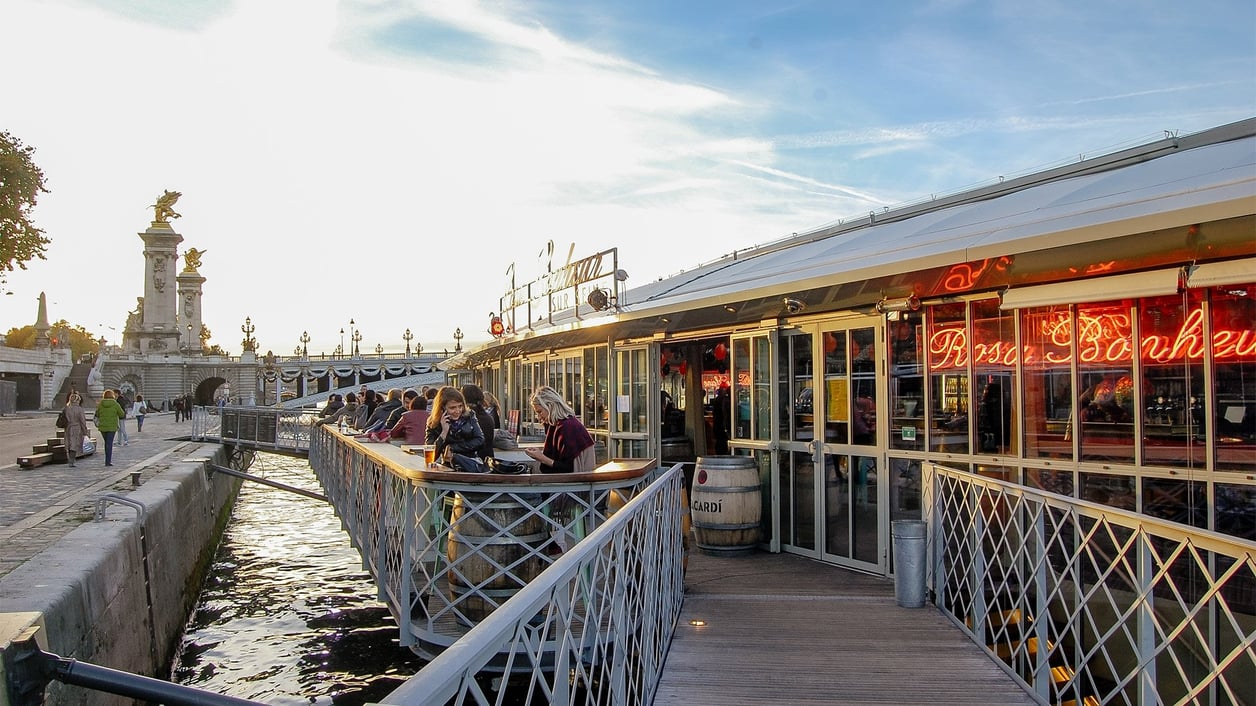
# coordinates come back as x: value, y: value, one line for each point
x: 108, y: 413
x: 139, y: 411
x: 125, y: 404
x: 75, y: 428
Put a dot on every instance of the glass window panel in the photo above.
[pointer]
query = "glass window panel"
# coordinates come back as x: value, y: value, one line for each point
x: 907, y: 392
x: 904, y: 489
x: 1108, y: 489
x: 761, y: 393
x: 1181, y: 501
x: 1172, y: 333
x: 1050, y: 480
x: 864, y: 503
x: 863, y: 382
x: 1047, y: 408
x: 1105, y: 346
x: 1235, y: 512
x: 994, y: 365
x: 1234, y: 383
x: 802, y: 491
x: 801, y: 392
x: 837, y: 398
x: 948, y: 378
x: 631, y: 404
x: 837, y: 504
x: 742, y: 392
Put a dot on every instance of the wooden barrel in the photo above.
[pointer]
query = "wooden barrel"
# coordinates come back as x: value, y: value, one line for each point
x: 726, y: 505
x: 480, y: 553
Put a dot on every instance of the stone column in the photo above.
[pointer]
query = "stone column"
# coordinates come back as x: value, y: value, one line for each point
x: 190, y: 282
x: 158, y: 324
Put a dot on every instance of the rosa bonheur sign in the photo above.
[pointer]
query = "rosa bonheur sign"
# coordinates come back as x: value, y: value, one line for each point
x: 566, y: 288
x: 1102, y: 338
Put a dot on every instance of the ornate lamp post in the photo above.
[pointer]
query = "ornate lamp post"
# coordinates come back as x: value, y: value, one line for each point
x: 458, y: 340
x: 269, y: 360
x: 356, y: 338
x: 379, y: 349
x: 407, y: 337
x: 340, y: 348
x: 305, y: 344
x: 249, y: 343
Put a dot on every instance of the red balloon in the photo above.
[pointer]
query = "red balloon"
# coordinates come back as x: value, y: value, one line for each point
x: 721, y: 351
x: 830, y: 343
x: 684, y: 367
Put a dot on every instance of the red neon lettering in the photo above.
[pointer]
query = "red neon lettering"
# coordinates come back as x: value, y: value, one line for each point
x: 1101, y: 339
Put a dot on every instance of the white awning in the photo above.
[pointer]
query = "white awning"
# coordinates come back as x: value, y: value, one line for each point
x: 1098, y: 289
x: 1216, y: 274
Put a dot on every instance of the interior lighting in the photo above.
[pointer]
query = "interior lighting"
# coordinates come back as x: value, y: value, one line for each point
x: 697, y: 623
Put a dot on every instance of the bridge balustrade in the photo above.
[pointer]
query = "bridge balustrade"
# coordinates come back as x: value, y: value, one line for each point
x: 257, y: 428
x: 1085, y: 603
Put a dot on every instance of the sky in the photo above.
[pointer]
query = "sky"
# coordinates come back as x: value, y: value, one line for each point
x: 389, y: 162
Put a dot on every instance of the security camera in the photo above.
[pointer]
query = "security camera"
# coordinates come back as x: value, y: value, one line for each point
x: 794, y: 306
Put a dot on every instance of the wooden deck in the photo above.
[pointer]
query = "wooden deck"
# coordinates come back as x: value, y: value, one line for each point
x: 781, y: 629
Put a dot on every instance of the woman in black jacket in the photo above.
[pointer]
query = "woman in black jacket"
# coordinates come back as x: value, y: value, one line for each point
x: 475, y: 400
x: 451, y: 427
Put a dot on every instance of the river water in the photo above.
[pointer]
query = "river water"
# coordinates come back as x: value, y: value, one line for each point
x: 288, y: 615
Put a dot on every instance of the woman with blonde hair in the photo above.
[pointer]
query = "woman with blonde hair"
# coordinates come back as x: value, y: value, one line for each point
x: 108, y: 413
x: 568, y: 446
x: 75, y: 428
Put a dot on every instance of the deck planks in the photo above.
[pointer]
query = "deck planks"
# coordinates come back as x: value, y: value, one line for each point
x: 782, y: 629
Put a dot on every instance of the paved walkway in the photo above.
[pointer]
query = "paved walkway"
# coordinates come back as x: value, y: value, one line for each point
x: 39, y: 506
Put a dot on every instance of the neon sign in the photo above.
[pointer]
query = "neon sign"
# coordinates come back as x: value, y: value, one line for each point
x: 1103, y: 338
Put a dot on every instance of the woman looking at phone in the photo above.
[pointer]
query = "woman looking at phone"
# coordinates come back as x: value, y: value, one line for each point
x: 451, y: 426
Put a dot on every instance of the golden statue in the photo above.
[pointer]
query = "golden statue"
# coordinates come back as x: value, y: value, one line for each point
x: 192, y: 259
x: 164, y: 208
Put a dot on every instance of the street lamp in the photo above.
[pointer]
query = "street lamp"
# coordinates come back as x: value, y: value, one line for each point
x: 356, y: 338
x: 249, y: 343
x: 269, y: 360
x: 379, y: 349
x: 407, y: 337
x: 458, y: 340
x: 340, y: 348
x: 305, y: 342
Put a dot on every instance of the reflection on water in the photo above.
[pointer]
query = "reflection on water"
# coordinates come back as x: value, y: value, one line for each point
x: 287, y: 615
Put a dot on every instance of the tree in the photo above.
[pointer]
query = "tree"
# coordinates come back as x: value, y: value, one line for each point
x: 63, y: 333
x: 21, y: 182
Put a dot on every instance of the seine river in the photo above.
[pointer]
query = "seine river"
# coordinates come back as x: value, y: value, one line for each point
x: 287, y: 615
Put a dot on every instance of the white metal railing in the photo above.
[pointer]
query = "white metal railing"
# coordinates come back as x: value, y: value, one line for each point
x: 448, y: 557
x: 1081, y: 601
x: 262, y: 428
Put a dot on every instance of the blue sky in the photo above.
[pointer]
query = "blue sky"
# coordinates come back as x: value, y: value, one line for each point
x: 389, y: 160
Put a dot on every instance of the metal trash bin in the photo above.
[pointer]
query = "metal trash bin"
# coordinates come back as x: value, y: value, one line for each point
x: 909, y: 562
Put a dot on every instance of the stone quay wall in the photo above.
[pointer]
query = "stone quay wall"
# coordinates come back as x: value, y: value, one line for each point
x: 116, y: 593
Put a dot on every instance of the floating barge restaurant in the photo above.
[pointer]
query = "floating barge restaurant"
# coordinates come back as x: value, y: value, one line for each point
x: 1088, y: 330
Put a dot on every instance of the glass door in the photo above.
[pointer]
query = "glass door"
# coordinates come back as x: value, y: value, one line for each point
x: 636, y: 402
x: 831, y: 449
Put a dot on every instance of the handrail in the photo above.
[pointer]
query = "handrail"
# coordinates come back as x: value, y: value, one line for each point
x: 447, y: 549
x: 1077, y: 600
x: 608, y: 649
x: 264, y: 428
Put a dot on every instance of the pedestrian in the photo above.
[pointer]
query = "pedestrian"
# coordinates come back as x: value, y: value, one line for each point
x: 139, y: 410
x: 568, y: 446
x: 108, y: 412
x: 75, y: 428
x: 178, y: 408
x: 125, y: 404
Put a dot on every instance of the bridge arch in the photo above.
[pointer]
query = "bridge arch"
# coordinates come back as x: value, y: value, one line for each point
x: 210, y: 389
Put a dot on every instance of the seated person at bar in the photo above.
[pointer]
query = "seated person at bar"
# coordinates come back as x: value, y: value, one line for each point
x: 379, y: 418
x: 451, y: 427
x: 411, y: 426
x: 346, y: 412
x: 568, y: 446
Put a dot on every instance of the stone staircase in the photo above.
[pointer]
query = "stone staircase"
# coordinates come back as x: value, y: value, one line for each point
x: 76, y: 380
